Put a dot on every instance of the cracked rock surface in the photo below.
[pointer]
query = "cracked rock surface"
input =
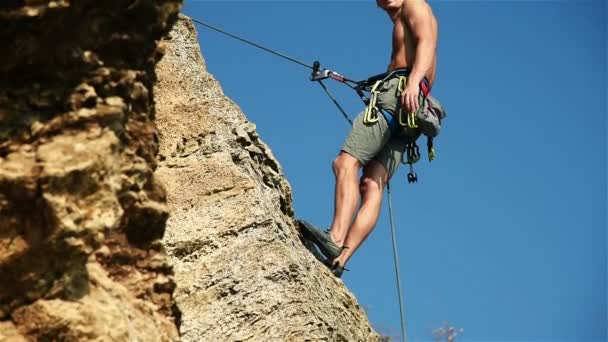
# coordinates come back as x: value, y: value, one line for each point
x: 81, y: 214
x: 242, y: 272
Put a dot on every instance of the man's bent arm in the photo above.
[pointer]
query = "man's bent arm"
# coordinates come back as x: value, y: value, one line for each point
x: 418, y: 17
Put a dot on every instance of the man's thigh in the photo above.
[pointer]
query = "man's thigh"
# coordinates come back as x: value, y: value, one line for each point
x: 375, y: 176
x: 391, y: 154
x: 366, y: 140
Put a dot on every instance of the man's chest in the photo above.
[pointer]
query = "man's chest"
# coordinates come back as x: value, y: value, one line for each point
x: 402, y: 36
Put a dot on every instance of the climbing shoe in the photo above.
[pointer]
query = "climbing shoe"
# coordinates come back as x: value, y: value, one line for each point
x: 337, y: 269
x: 322, y: 239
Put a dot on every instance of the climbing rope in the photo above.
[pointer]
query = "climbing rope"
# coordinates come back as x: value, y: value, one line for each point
x: 252, y: 43
x: 342, y: 79
x: 336, y: 102
x: 394, y: 239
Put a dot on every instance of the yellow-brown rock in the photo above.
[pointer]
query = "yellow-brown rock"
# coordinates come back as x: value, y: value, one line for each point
x: 242, y: 272
x: 80, y: 212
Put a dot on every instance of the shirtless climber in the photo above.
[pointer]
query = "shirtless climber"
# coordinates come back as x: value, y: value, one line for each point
x: 371, y: 143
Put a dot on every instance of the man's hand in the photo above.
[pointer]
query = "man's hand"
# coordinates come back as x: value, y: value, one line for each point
x: 418, y: 16
x: 409, y: 97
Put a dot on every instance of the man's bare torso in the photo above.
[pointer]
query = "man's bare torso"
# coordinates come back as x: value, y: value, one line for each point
x: 404, y: 47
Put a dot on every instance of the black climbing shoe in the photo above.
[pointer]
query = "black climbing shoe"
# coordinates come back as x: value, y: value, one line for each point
x: 322, y: 239
x: 337, y: 269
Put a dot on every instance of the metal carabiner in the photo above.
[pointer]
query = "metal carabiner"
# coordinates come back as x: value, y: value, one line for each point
x: 411, y: 120
x: 412, y: 152
x: 371, y: 111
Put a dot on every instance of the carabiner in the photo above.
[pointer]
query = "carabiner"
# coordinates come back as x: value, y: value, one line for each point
x: 371, y: 111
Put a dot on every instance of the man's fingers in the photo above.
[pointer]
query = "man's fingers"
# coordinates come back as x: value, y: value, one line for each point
x: 411, y: 103
x: 414, y: 102
x: 405, y: 103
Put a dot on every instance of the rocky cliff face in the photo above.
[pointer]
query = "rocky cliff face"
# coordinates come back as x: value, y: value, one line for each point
x: 83, y: 206
x: 241, y: 269
x: 80, y: 210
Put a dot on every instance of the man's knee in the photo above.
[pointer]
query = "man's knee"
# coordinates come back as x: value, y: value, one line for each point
x: 370, y: 186
x: 345, y: 163
x: 374, y: 178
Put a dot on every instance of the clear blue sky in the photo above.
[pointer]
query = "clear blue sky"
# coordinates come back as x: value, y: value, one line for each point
x: 505, y: 234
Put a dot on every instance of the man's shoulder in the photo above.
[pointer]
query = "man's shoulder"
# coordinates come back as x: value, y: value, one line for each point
x: 413, y: 7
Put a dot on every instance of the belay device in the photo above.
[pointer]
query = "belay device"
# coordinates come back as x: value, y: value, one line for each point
x: 370, y: 85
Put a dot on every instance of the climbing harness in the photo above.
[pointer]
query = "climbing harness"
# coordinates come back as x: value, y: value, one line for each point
x: 370, y: 85
x: 371, y: 114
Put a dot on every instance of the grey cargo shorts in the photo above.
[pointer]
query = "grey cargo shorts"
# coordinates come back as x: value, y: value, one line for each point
x: 367, y: 141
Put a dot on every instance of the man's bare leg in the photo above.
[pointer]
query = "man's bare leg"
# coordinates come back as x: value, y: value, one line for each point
x: 346, y: 169
x: 374, y: 178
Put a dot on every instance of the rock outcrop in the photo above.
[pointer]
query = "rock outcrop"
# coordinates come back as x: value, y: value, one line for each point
x: 83, y: 206
x: 242, y: 272
x: 81, y: 214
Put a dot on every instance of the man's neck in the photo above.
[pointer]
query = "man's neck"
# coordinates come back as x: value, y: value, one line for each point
x: 394, y: 14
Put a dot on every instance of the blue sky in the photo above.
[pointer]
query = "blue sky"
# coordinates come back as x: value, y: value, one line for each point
x: 505, y: 233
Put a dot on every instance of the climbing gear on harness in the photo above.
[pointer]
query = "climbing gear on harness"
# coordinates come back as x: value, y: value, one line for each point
x: 371, y: 111
x: 412, y: 152
x: 412, y: 177
x: 409, y: 121
x: 411, y: 117
x: 323, y: 240
x: 413, y: 155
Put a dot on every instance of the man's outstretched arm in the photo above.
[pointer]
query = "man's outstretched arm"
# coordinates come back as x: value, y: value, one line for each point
x: 417, y: 15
